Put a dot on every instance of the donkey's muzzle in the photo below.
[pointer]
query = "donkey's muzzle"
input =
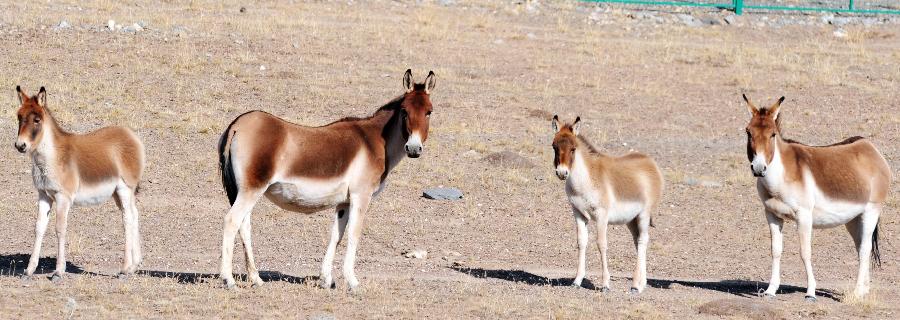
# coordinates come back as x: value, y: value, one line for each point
x: 759, y: 171
x: 413, y: 151
x: 562, y: 174
x: 21, y: 146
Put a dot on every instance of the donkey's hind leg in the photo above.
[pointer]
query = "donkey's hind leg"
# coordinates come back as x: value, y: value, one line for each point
x: 233, y: 220
x: 868, y: 222
x: 640, y: 232
x: 124, y: 197
x: 246, y: 233
x: 337, y: 232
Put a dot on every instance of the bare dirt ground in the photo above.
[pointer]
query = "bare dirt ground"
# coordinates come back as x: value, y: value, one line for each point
x: 508, y: 249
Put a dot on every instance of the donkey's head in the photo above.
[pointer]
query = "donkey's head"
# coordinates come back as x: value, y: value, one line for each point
x: 415, y: 111
x: 564, y: 143
x: 762, y: 133
x: 32, y: 115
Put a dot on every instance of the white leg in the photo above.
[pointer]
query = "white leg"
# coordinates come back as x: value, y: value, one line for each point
x: 246, y: 234
x: 775, y: 227
x: 337, y: 232
x: 241, y: 208
x: 868, y: 223
x: 62, y: 213
x: 640, y: 231
x: 581, y: 228
x: 40, y: 227
x: 136, y: 255
x: 804, y: 227
x: 602, y: 245
x: 124, y: 196
x: 358, y: 206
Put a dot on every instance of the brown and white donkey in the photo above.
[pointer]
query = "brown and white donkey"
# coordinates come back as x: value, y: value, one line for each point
x: 818, y: 187
x: 308, y: 169
x: 79, y: 169
x: 608, y: 190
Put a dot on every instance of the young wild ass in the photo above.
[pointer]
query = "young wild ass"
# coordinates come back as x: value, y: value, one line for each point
x: 308, y: 169
x: 818, y: 187
x: 609, y: 190
x: 79, y: 169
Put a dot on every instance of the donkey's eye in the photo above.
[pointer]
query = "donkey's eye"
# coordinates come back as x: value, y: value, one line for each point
x: 37, y: 120
x: 428, y: 114
x: 773, y: 135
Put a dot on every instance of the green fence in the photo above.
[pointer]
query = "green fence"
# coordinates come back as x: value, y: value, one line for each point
x: 739, y: 6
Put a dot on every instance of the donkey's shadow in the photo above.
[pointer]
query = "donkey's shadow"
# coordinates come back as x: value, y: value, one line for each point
x: 15, y: 265
x: 196, y: 277
x: 742, y: 288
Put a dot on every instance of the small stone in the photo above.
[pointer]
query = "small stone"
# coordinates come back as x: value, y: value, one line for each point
x: 111, y: 25
x: 508, y: 159
x: 130, y: 29
x: 689, y: 20
x: 731, y: 19
x: 840, y: 21
x: 137, y: 27
x: 498, y: 41
x: 322, y: 316
x: 443, y: 194
x: 63, y: 25
x: 71, y: 305
x: 416, y: 254
x: 530, y: 35
x: 262, y: 68
x: 142, y: 24
x: 840, y: 33
x: 446, y: 2
x: 242, y: 9
x: 470, y: 154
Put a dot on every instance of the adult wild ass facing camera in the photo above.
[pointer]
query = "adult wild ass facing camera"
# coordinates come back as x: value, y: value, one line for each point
x: 79, y: 169
x: 608, y: 190
x: 341, y: 165
x: 818, y: 187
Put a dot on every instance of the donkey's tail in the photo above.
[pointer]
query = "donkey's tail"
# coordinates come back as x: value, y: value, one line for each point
x: 876, y: 254
x: 228, y: 180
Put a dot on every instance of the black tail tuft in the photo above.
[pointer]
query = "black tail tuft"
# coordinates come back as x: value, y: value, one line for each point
x: 225, y: 167
x: 876, y: 254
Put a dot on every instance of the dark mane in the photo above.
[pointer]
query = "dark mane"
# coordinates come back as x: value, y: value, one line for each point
x: 846, y: 141
x: 588, y: 145
x: 392, y: 105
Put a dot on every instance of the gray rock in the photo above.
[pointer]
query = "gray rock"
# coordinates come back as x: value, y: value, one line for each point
x: 840, y: 33
x: 322, y: 316
x: 63, y: 25
x: 703, y: 183
x: 130, y: 29
x: 840, y: 21
x: 443, y: 194
x: 111, y: 25
x: 416, y: 254
x: 447, y: 2
x: 712, y: 21
x: 508, y: 159
x: 689, y: 20
x: 142, y: 24
x: 731, y: 19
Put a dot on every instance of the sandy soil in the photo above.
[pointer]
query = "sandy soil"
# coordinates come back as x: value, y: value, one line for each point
x: 508, y: 249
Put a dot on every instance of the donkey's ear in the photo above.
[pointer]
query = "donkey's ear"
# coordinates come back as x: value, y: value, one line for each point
x: 776, y: 108
x: 21, y: 95
x: 429, y: 82
x: 750, y: 106
x: 42, y: 97
x: 576, y: 125
x: 407, y: 80
x: 555, y: 123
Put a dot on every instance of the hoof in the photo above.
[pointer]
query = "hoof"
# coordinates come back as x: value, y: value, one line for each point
x: 327, y: 285
x: 228, y: 284
x: 357, y: 290
x: 256, y: 285
x: 122, y: 276
x: 811, y: 299
x: 604, y: 289
x: 634, y: 291
x: 56, y: 278
x: 27, y: 277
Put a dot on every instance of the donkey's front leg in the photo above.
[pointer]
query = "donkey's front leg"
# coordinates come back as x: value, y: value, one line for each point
x: 804, y: 227
x: 40, y: 227
x: 359, y: 204
x: 602, y: 246
x: 775, y: 226
x: 337, y: 232
x: 581, y: 228
x: 63, y: 204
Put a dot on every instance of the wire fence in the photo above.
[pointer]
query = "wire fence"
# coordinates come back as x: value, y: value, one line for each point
x: 740, y: 6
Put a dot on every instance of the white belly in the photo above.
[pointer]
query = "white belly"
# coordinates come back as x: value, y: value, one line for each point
x: 94, y: 195
x: 829, y: 213
x: 624, y: 212
x: 308, y: 196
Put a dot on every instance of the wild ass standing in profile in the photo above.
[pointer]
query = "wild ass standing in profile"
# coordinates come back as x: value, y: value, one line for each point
x: 79, y: 169
x: 308, y: 169
x: 609, y: 190
x: 818, y: 187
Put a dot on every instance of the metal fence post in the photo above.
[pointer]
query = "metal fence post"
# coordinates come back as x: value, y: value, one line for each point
x: 739, y: 6
x: 851, y: 4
